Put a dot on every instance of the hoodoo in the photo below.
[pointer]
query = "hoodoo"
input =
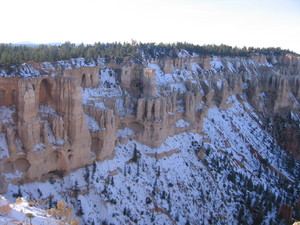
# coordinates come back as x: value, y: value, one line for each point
x: 61, y: 116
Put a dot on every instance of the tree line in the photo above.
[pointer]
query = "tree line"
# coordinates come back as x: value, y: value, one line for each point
x: 16, y: 54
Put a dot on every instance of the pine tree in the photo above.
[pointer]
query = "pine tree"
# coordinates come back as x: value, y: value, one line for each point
x: 87, y: 177
x: 94, y: 169
x: 158, y: 172
x: 19, y: 192
x: 30, y: 216
x: 80, y: 210
x: 129, y: 170
x: 135, y: 154
x: 138, y: 169
x: 50, y: 205
x: 124, y: 170
x: 169, y: 202
x: 40, y: 193
x: 259, y: 171
x: 104, y: 191
x: 76, y: 189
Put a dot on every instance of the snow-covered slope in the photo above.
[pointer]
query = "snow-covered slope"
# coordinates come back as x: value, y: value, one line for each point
x: 228, y: 170
x: 243, y: 177
x: 26, y: 212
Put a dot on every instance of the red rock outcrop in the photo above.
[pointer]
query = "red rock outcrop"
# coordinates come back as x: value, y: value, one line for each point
x: 51, y: 131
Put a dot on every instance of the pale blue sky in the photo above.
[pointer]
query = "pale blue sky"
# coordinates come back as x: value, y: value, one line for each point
x: 258, y: 23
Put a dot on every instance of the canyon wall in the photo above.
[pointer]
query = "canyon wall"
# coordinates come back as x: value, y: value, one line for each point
x: 48, y: 127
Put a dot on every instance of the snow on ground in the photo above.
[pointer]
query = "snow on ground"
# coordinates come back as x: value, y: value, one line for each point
x: 3, y: 146
x: 148, y: 185
x: 27, y: 70
x: 108, y: 88
x: 295, y: 117
x: 126, y: 132
x: 47, y: 67
x: 195, y: 67
x: 100, y: 105
x: 219, y: 83
x: 160, y: 75
x: 6, y: 114
x: 39, y: 147
x: 75, y: 63
x: 94, y: 94
x: 182, y: 123
x: 14, y: 175
x: 176, y: 79
x: 107, y: 78
x: 240, y: 129
x: 216, y: 63
x: 230, y: 66
x: 17, y: 213
x: 170, y: 183
x: 44, y: 110
x: 178, y: 87
x: 92, y: 123
x: 183, y: 53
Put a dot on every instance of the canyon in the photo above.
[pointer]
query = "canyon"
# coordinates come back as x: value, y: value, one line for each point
x: 62, y: 116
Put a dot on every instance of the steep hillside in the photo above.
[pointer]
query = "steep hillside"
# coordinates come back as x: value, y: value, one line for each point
x: 188, y: 139
x: 231, y: 173
x: 31, y: 212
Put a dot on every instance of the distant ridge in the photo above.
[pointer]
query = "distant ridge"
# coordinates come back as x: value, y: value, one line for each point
x: 13, y: 54
x: 32, y: 44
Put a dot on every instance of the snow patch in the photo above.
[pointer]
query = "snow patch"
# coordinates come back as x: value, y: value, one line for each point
x: 295, y: 117
x: 14, y: 175
x: 219, y: 83
x: 216, y: 63
x: 107, y: 78
x: 126, y: 132
x: 47, y: 110
x: 6, y: 114
x: 39, y: 147
x: 161, y: 79
x: 3, y: 146
x: 93, y: 125
x: 182, y: 123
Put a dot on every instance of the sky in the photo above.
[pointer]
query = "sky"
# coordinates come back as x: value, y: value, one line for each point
x: 257, y: 23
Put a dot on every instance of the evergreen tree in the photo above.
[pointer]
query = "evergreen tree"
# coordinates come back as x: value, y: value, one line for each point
x: 50, y: 199
x: 76, y: 189
x: 19, y: 192
x: 87, y: 174
x: 112, y: 181
x: 124, y: 170
x: 94, y: 169
x: 13, y: 55
x: 135, y: 154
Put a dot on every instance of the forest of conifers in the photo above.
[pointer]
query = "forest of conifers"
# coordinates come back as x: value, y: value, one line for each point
x: 11, y: 54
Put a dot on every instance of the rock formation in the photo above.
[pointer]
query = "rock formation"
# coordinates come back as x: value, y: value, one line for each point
x: 67, y: 118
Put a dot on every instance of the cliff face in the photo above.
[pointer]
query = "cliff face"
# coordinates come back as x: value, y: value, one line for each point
x: 205, y: 115
x: 71, y: 115
x: 47, y: 130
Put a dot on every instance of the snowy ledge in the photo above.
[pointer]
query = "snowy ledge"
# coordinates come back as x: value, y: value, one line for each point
x: 182, y: 123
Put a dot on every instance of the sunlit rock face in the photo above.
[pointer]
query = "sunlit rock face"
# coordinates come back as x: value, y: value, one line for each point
x: 57, y: 117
